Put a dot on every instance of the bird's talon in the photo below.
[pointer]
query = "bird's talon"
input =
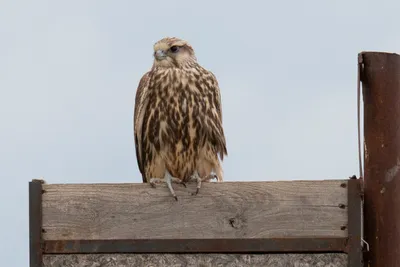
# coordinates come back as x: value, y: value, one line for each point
x: 195, y: 193
x: 154, y: 181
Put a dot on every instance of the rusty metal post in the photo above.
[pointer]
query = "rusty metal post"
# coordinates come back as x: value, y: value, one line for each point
x: 381, y: 92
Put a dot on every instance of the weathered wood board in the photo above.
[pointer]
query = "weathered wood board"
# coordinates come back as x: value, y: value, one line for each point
x: 223, y: 210
x: 197, y: 260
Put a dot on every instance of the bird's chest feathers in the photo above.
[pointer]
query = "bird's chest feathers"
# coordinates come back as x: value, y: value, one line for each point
x: 176, y: 111
x: 179, y: 91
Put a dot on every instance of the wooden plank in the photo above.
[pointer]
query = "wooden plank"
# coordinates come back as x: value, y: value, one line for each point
x: 192, y: 260
x: 221, y: 210
x: 35, y: 223
x: 218, y: 245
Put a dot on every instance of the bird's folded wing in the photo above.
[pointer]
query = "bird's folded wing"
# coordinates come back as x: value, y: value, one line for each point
x: 141, y: 103
x: 214, y: 116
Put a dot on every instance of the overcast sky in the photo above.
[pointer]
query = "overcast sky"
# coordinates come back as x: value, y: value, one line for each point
x: 69, y: 72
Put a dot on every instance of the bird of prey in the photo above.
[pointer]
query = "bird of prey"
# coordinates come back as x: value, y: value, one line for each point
x: 178, y: 119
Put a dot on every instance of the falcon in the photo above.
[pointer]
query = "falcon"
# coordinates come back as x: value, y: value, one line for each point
x: 178, y: 119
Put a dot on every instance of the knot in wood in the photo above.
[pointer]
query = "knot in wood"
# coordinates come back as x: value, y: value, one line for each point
x: 236, y: 223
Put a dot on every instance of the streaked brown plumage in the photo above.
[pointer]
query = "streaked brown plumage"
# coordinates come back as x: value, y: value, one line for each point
x: 178, y: 118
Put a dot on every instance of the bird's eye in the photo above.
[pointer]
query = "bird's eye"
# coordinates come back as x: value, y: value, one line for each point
x: 174, y: 49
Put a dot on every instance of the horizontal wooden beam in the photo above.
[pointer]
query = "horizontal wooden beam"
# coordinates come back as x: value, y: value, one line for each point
x: 196, y: 245
x: 206, y: 260
x: 229, y: 210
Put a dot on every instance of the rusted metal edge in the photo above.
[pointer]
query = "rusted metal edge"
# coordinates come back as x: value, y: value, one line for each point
x: 35, y: 223
x: 354, y: 248
x: 281, y: 245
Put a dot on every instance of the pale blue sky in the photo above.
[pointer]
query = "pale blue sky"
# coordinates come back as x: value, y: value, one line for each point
x: 69, y: 72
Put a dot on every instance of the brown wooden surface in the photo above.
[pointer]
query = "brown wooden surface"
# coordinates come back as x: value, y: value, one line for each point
x: 197, y: 260
x: 221, y: 210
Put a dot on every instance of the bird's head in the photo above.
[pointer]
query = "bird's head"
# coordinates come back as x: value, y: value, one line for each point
x: 172, y: 52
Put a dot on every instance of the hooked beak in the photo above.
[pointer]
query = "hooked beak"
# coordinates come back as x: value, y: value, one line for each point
x: 160, y: 54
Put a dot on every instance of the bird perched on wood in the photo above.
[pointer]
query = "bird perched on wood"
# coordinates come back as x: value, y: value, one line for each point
x: 178, y: 119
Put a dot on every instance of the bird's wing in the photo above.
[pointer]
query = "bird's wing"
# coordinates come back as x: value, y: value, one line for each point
x: 141, y: 102
x: 214, y: 118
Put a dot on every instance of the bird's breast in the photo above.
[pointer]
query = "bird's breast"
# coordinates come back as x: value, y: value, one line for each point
x: 176, y: 108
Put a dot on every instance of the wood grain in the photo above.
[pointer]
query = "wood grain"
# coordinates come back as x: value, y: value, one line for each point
x: 221, y: 210
x: 197, y: 260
